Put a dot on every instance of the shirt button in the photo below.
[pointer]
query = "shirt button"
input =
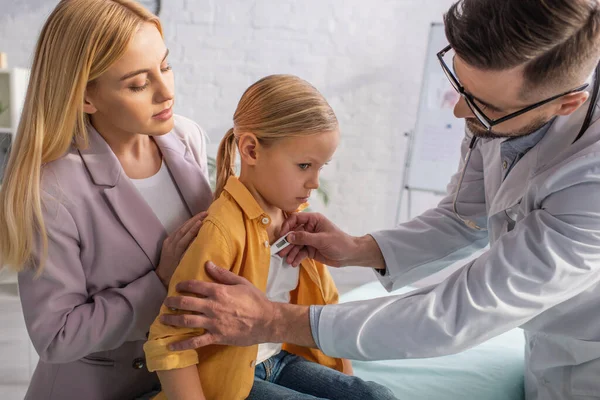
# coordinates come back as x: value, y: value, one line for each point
x: 138, y: 363
x: 504, y: 164
x: 267, y: 243
x: 265, y: 221
x: 253, y: 364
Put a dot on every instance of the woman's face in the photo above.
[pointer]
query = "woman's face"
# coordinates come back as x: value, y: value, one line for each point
x: 135, y: 95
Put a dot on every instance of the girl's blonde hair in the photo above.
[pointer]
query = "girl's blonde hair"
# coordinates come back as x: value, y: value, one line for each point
x: 275, y: 107
x: 80, y: 40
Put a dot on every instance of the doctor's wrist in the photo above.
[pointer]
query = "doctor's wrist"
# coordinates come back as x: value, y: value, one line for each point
x: 366, y: 253
x: 290, y: 323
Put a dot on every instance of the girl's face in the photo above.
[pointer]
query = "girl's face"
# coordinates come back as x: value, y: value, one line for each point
x: 287, y: 171
x: 135, y: 95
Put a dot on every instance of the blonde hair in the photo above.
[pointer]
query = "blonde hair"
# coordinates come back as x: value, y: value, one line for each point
x: 275, y: 107
x: 80, y: 40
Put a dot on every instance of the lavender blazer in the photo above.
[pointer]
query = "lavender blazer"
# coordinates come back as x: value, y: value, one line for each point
x: 89, y: 312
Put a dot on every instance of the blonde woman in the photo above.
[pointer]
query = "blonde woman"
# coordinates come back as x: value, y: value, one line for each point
x: 101, y: 197
x: 285, y: 133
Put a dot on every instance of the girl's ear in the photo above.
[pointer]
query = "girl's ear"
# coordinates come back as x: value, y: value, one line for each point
x: 248, y: 146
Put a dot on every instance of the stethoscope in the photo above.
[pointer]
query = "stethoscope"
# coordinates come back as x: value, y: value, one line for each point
x: 586, y: 124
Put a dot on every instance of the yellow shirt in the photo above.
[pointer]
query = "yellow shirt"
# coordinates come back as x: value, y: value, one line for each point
x: 234, y: 235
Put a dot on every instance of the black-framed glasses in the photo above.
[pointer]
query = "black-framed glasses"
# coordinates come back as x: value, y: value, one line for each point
x: 487, y: 122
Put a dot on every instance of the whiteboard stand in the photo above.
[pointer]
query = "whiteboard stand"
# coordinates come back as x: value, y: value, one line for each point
x: 405, y: 188
x: 433, y: 146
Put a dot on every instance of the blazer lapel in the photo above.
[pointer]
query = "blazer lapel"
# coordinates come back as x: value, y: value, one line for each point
x: 186, y: 172
x: 128, y: 205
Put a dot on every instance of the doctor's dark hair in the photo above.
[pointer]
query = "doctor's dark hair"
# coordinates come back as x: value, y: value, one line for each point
x: 275, y: 107
x: 79, y: 41
x: 556, y: 41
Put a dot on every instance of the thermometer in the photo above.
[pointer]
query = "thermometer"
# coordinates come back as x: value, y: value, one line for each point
x: 279, y: 245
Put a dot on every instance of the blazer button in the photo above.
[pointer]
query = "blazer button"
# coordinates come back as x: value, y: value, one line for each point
x: 138, y: 363
x: 265, y: 221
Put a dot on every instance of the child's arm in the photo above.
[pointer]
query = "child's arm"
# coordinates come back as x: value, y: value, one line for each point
x: 348, y: 370
x: 181, y: 384
x: 179, y: 368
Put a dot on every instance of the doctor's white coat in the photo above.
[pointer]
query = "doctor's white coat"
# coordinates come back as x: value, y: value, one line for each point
x: 542, y: 271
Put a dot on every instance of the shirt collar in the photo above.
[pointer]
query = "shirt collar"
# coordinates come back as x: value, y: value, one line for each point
x: 240, y: 193
x: 522, y: 144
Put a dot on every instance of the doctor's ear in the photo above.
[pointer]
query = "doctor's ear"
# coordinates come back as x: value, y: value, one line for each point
x: 571, y: 102
x: 88, y: 105
x: 248, y: 146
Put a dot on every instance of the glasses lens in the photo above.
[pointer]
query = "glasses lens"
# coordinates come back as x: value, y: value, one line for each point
x: 450, y: 77
x: 478, y: 114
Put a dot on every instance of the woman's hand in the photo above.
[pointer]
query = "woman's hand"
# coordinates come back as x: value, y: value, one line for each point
x: 175, y: 245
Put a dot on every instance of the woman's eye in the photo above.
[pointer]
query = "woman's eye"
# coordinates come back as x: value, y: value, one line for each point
x: 167, y: 68
x: 138, y: 88
x: 304, y: 166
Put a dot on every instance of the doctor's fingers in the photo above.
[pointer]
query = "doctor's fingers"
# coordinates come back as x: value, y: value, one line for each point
x: 190, y: 321
x: 305, y: 221
x: 285, y: 252
x: 299, y: 254
x: 195, y: 342
x: 189, y: 304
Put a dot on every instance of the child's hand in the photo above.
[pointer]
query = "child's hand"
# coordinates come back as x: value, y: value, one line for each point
x: 348, y: 370
x: 175, y: 245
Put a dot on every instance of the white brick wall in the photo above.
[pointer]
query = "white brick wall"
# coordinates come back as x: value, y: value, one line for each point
x: 366, y: 57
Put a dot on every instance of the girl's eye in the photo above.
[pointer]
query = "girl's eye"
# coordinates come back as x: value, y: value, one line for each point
x: 167, y: 68
x: 304, y: 166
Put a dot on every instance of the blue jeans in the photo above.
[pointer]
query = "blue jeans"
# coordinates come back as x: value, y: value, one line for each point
x: 287, y: 376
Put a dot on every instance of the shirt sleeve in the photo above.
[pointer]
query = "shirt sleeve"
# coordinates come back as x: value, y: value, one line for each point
x: 315, y: 314
x: 211, y: 244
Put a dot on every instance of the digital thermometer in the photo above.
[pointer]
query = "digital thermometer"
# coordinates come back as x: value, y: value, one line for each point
x: 279, y: 245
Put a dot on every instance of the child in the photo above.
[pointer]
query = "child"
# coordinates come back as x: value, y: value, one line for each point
x: 285, y: 132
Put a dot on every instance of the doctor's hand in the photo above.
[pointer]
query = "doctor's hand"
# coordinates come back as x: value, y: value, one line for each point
x: 314, y: 236
x: 175, y: 245
x: 234, y: 312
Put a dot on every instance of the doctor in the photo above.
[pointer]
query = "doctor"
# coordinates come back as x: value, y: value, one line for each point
x: 528, y: 185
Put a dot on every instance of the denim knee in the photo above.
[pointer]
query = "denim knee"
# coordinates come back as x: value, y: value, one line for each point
x: 375, y: 391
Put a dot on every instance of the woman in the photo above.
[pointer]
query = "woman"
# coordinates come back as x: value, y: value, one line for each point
x: 102, y: 195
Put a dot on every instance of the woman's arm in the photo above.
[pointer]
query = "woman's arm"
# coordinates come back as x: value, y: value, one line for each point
x: 63, y: 321
x: 181, y: 384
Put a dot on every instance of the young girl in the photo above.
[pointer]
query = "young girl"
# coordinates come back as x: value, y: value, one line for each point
x: 285, y: 132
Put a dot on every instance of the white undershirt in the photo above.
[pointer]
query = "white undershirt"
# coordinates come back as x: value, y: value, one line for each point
x: 163, y: 197
x: 283, y: 278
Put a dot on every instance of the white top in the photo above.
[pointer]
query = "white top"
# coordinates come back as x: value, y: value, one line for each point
x: 283, y: 278
x: 162, y: 195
